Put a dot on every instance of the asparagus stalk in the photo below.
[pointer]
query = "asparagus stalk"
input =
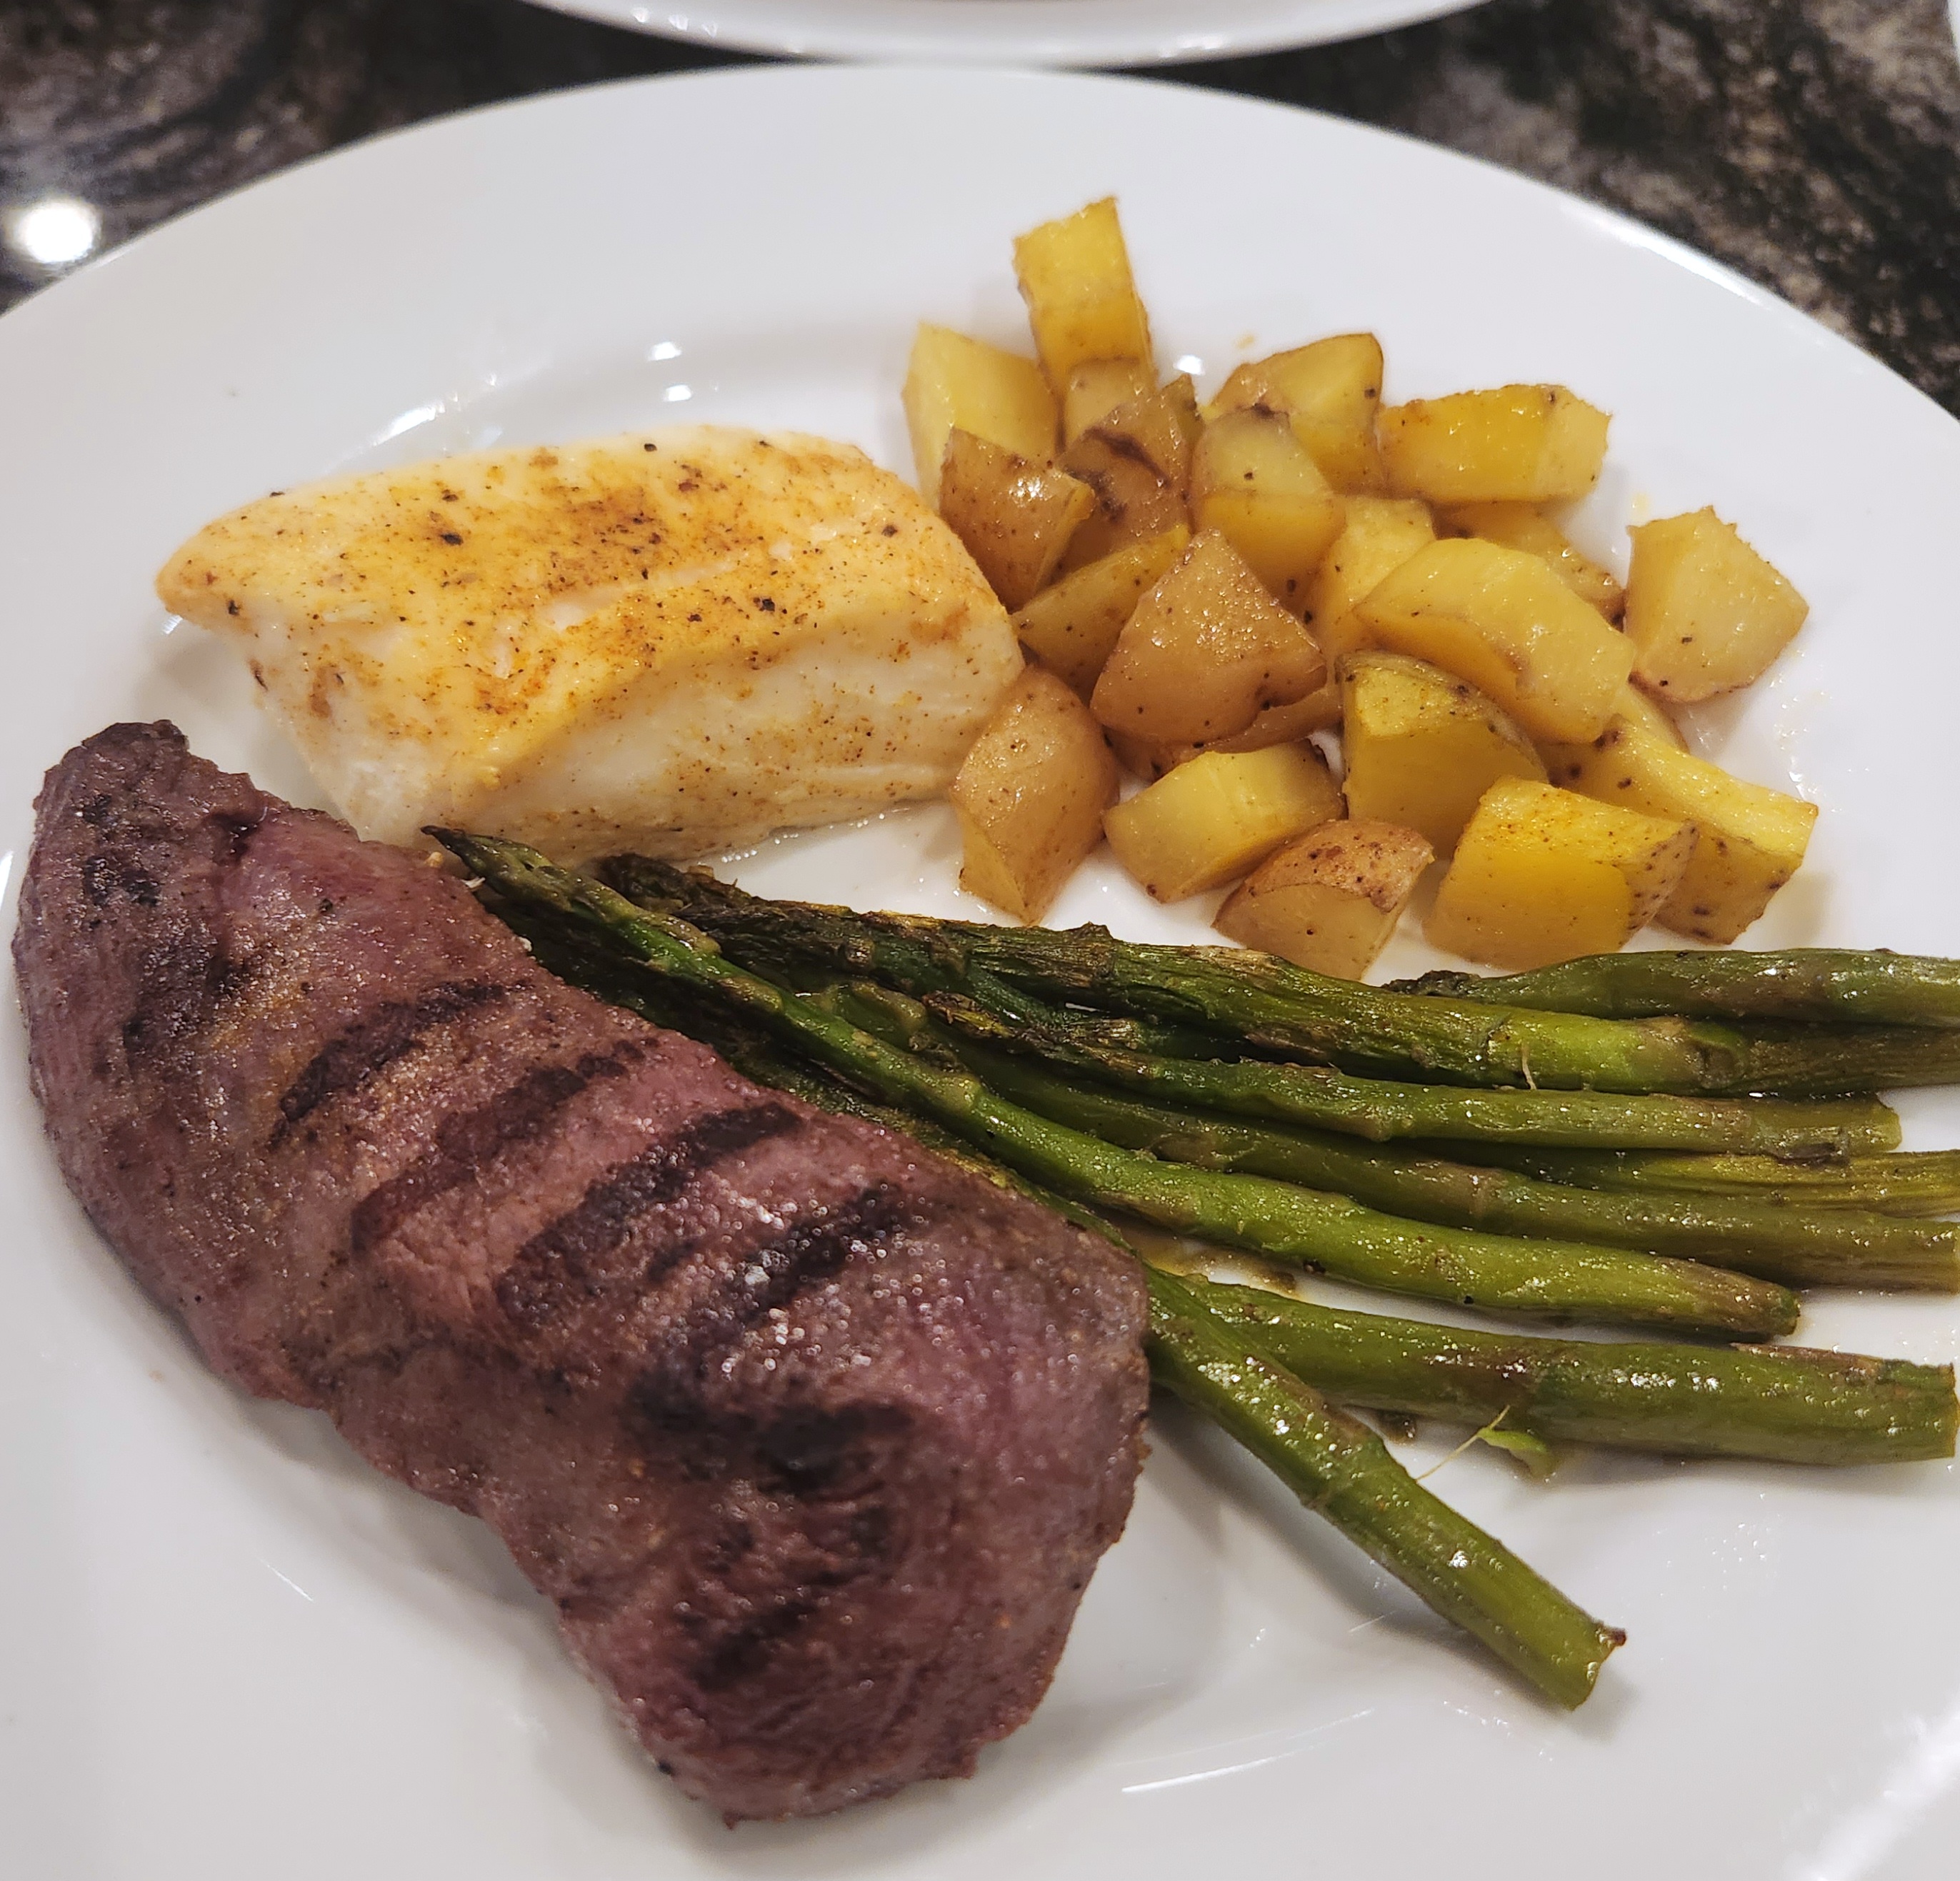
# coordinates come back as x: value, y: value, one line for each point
x: 1831, y: 984
x: 1207, y: 990
x: 1920, y: 1182
x: 1784, y: 1402
x: 1342, y: 1469
x: 1768, y: 1239
x: 1264, y: 1002
x: 1251, y: 1213
x: 1273, y: 1004
x: 1381, y: 1111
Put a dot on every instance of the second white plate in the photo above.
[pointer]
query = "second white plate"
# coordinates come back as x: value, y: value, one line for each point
x: 1012, y: 32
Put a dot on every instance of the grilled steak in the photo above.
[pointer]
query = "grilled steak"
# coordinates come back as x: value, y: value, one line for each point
x: 812, y: 1439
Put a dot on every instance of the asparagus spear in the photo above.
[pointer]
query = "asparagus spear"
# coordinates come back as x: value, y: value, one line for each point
x: 1782, y: 1402
x: 1207, y: 990
x: 1264, y: 1002
x: 1250, y: 1212
x: 1912, y: 1183
x: 1769, y: 1240
x: 1342, y: 1469
x: 1828, y: 984
x: 1274, y: 1004
x: 1380, y: 1111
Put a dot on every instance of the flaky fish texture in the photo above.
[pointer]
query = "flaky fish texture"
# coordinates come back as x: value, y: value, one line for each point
x: 674, y: 641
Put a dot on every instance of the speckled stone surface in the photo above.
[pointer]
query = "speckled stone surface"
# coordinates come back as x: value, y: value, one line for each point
x: 1814, y: 144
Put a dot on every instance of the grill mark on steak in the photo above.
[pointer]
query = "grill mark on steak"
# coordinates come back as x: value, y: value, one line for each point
x: 185, y: 980
x: 105, y: 876
x: 742, y: 1652
x: 560, y: 1257
x: 466, y: 1145
x: 354, y: 1058
x: 816, y: 1247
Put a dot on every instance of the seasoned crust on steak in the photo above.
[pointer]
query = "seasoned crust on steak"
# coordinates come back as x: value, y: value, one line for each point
x: 813, y: 1438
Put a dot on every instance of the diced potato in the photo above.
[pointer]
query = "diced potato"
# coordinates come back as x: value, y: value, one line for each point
x: 1144, y: 758
x: 1332, y: 391
x: 1330, y: 901
x: 1015, y: 517
x: 1214, y: 818
x: 1422, y: 746
x: 1517, y: 443
x: 1285, y: 724
x: 1277, y: 725
x: 1097, y: 387
x: 1082, y: 298
x: 1072, y: 628
x: 1381, y: 534
x: 1524, y: 525
x: 1206, y: 651
x: 1705, y: 612
x: 1031, y: 795
x: 954, y: 381
x: 1543, y: 875
x: 1632, y: 707
x: 1749, y: 838
x: 1638, y: 710
x: 1501, y: 619
x: 1252, y: 480
x: 1136, y: 459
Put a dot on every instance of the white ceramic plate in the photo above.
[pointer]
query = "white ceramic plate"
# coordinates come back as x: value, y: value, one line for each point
x: 1012, y: 32
x: 229, y: 1650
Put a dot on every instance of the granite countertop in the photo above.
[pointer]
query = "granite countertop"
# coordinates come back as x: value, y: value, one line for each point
x: 1814, y: 144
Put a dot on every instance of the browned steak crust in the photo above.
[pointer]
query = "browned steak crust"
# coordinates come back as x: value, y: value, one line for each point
x: 813, y: 1438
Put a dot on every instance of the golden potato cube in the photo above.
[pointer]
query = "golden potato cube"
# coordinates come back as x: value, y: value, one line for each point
x: 1517, y: 443
x: 1031, y: 795
x: 1252, y: 480
x: 1705, y: 612
x: 1635, y: 708
x: 1082, y: 298
x: 1543, y: 875
x: 1422, y: 746
x: 1332, y: 391
x: 1097, y: 387
x: 1277, y: 725
x: 1749, y: 839
x: 1501, y: 619
x: 1015, y: 517
x: 1213, y: 819
x: 956, y: 382
x: 1136, y: 459
x: 1286, y: 724
x: 1144, y: 758
x: 1330, y: 901
x: 1380, y: 534
x: 1207, y: 651
x: 1524, y: 525
x: 1072, y: 628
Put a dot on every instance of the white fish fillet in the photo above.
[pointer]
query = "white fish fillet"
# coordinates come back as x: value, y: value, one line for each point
x: 674, y: 641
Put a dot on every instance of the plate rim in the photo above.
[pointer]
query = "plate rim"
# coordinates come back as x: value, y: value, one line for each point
x: 1047, y: 32
x: 1620, y: 223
